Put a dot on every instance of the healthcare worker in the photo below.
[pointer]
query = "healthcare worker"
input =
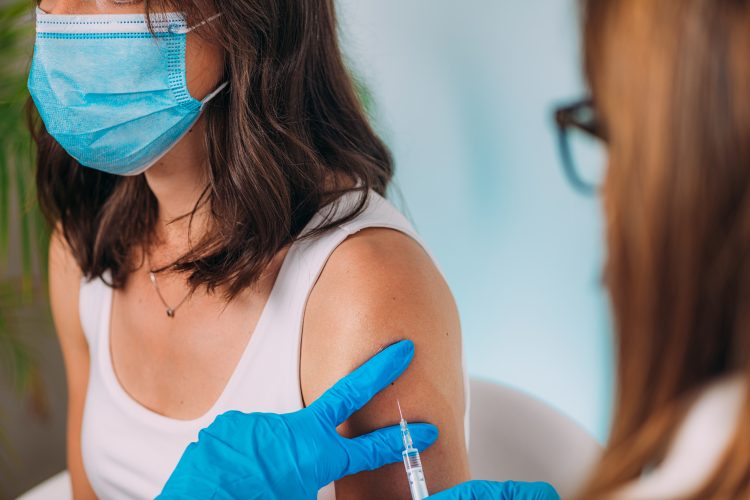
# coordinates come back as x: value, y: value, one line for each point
x: 670, y: 98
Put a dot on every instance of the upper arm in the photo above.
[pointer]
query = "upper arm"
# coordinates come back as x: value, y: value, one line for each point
x: 64, y: 283
x: 379, y: 287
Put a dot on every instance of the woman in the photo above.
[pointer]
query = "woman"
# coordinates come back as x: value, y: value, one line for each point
x: 669, y: 81
x: 221, y: 237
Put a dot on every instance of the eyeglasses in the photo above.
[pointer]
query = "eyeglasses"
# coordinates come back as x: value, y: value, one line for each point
x: 581, y: 139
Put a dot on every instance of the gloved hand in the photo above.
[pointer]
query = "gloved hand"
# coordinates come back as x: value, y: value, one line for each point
x: 292, y: 456
x: 489, y: 490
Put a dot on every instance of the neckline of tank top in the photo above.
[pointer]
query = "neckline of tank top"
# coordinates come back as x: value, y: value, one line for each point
x: 138, y: 410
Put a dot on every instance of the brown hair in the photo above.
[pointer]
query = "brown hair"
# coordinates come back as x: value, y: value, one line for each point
x: 671, y: 80
x: 281, y: 138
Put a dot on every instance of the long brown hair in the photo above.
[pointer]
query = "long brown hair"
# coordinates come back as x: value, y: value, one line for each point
x: 288, y: 125
x: 671, y: 79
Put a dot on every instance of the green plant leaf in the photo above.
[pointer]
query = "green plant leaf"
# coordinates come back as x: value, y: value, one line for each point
x: 25, y: 225
x: 18, y: 302
x: 16, y: 160
x: 4, y: 208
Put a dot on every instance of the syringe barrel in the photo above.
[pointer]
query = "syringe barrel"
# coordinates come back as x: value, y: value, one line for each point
x: 415, y: 474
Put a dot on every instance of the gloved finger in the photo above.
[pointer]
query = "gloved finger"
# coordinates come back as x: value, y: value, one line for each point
x: 353, y: 391
x: 384, y: 446
x: 509, y: 490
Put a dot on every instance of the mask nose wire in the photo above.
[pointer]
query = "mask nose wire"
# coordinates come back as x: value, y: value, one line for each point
x: 183, y: 31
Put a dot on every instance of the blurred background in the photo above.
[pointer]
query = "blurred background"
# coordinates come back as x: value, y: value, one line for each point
x: 463, y: 92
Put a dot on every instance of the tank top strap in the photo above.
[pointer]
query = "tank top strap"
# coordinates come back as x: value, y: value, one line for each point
x: 92, y: 305
x: 378, y: 212
x: 308, y: 257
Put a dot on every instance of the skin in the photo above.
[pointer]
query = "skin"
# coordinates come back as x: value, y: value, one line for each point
x: 378, y: 287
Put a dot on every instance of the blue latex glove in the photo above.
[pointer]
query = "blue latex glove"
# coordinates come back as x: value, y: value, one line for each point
x: 265, y: 455
x: 490, y: 490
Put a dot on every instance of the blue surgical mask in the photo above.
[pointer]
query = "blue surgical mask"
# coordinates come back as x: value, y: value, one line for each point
x: 112, y: 93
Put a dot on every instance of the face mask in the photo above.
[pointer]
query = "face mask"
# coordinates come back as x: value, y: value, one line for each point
x: 113, y: 94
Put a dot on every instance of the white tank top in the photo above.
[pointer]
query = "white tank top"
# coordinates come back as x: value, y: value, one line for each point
x: 128, y: 450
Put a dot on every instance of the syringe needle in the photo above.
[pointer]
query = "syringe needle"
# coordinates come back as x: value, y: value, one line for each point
x: 399, y: 409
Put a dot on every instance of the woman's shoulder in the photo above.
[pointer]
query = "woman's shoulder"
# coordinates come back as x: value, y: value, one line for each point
x: 64, y: 278
x: 64, y: 286
x: 376, y: 273
x: 77, y: 302
x: 378, y: 286
x: 380, y: 258
x: 699, y: 444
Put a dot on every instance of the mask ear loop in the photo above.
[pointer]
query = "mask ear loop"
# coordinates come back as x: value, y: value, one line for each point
x: 186, y: 30
x: 213, y: 94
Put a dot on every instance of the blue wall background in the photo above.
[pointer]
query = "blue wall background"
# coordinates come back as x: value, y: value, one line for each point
x: 463, y: 93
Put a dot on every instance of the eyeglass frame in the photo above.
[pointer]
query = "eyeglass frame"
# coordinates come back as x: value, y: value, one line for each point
x: 567, y: 117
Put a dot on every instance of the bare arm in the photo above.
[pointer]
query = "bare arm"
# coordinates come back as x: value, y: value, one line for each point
x: 380, y: 287
x: 64, y: 283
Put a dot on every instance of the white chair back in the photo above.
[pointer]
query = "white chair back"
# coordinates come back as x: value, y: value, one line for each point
x: 514, y: 436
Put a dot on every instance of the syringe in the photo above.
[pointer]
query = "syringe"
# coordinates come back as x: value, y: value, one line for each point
x: 412, y: 462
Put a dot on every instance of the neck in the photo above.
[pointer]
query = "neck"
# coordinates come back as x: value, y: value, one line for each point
x: 177, y: 181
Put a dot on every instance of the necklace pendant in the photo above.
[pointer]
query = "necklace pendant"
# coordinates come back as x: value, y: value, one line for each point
x: 170, y: 312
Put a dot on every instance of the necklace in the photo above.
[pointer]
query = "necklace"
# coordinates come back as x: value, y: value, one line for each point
x: 169, y: 309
